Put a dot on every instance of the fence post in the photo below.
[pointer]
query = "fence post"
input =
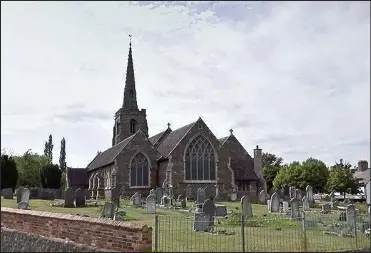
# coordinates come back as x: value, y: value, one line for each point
x: 355, y: 227
x: 156, y: 232
x: 243, y: 232
x: 304, y: 233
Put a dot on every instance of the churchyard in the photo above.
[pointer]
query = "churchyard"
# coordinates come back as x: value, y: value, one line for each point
x: 179, y: 224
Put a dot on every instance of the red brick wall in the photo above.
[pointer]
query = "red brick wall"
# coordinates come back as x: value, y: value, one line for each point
x: 96, y: 232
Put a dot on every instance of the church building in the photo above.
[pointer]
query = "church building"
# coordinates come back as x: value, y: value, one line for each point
x: 187, y: 158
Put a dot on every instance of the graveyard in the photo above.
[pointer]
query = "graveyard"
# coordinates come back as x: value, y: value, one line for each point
x: 180, y: 228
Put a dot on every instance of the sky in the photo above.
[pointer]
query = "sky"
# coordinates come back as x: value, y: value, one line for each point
x: 291, y: 77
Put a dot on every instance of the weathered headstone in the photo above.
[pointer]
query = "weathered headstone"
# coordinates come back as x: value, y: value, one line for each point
x: 351, y: 217
x: 298, y: 194
x: 285, y: 206
x: 246, y: 206
x: 69, y: 198
x: 115, y: 196
x: 202, y: 222
x: 275, y: 203
x: 25, y: 197
x: 137, y: 200
x: 7, y: 193
x: 80, y: 198
x: 294, y: 208
x: 19, y: 193
x: 159, y: 194
x: 22, y: 205
x: 165, y: 201
x: 152, y: 192
x: 209, y: 207
x: 306, y: 206
x: 262, y: 197
x: 292, y: 192
x: 200, y: 198
x: 221, y: 210
x: 309, y: 194
x: 151, y: 204
x: 108, y: 210
x: 269, y: 205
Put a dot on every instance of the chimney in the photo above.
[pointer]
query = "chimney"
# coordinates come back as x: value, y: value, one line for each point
x: 362, y: 165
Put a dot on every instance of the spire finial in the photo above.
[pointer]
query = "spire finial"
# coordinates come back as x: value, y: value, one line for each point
x: 130, y: 41
x: 231, y: 131
x: 168, y: 125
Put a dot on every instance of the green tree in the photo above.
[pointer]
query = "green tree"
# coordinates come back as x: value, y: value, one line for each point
x: 271, y: 166
x: 9, y: 172
x: 341, y: 179
x: 50, y: 176
x: 28, y: 166
x: 50, y: 148
x: 62, y: 156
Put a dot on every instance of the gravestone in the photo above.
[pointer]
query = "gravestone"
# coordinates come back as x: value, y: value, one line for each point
x: 209, y: 208
x: 115, y: 196
x: 183, y: 203
x: 151, y: 204
x: 200, y: 198
x: 80, y: 198
x: 292, y: 192
x: 246, y: 206
x: 69, y: 198
x: 294, y: 208
x: 25, y: 197
x: 285, y: 206
x: 220, y: 211
x: 108, y: 210
x: 7, y: 193
x: 351, y: 217
x: 165, y: 201
x: 202, y: 222
x: 275, y: 203
x: 152, y: 192
x: 309, y: 194
x: 325, y: 208
x: 22, y: 205
x: 306, y: 206
x: 159, y: 194
x: 137, y: 200
x: 19, y: 193
x: 189, y: 192
x: 262, y: 197
x: 269, y: 205
x: 298, y: 194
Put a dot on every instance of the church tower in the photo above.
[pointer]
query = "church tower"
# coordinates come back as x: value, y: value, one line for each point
x: 129, y: 119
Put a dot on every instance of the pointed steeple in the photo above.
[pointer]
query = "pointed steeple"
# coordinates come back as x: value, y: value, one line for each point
x: 130, y: 94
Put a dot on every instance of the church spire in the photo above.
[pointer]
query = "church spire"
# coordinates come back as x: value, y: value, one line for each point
x: 130, y: 94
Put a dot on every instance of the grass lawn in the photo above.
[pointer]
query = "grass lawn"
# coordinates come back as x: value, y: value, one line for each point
x: 263, y: 232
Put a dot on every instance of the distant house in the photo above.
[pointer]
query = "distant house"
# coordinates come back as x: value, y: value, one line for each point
x: 363, y: 174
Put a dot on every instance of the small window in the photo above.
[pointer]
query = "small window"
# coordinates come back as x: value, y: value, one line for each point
x: 133, y: 126
x: 131, y: 93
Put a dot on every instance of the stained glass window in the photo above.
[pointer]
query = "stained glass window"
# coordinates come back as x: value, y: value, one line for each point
x: 139, y: 170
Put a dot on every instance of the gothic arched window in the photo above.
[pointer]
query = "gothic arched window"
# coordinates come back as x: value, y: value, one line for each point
x: 133, y: 126
x: 139, y: 171
x: 200, y: 160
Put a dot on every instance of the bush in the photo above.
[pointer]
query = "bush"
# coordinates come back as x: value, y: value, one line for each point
x: 50, y: 176
x: 9, y: 172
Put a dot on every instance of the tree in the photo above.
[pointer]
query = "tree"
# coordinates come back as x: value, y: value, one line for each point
x: 312, y: 172
x: 50, y: 148
x: 62, y: 156
x: 341, y: 179
x: 9, y: 172
x: 28, y: 166
x: 50, y: 176
x: 271, y: 166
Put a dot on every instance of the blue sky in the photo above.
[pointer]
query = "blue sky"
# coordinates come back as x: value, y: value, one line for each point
x: 291, y: 77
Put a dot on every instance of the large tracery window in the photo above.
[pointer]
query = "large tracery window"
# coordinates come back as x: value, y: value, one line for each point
x: 200, y: 160
x: 139, y: 170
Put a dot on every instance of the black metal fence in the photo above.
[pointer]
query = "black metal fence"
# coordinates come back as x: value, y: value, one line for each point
x: 312, y: 231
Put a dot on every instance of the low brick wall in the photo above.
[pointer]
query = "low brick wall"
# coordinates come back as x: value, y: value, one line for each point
x: 96, y: 232
x: 16, y: 241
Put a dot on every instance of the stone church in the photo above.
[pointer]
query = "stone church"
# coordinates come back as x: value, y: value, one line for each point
x: 187, y: 157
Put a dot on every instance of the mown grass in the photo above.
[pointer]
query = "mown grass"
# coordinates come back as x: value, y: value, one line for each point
x: 262, y: 232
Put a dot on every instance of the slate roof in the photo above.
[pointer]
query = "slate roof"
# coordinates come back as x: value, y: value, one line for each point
x: 77, y: 177
x: 108, y: 156
x: 244, y: 169
x: 156, y: 137
x: 364, y: 176
x: 223, y: 140
x: 172, y: 140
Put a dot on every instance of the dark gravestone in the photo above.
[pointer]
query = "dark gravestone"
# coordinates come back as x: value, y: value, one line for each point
x: 19, y: 193
x: 159, y: 194
x: 209, y: 192
x: 69, y: 198
x: 7, y: 193
x: 80, y: 197
x: 115, y: 196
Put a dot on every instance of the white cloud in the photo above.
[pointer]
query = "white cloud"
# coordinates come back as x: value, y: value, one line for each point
x: 292, y: 77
